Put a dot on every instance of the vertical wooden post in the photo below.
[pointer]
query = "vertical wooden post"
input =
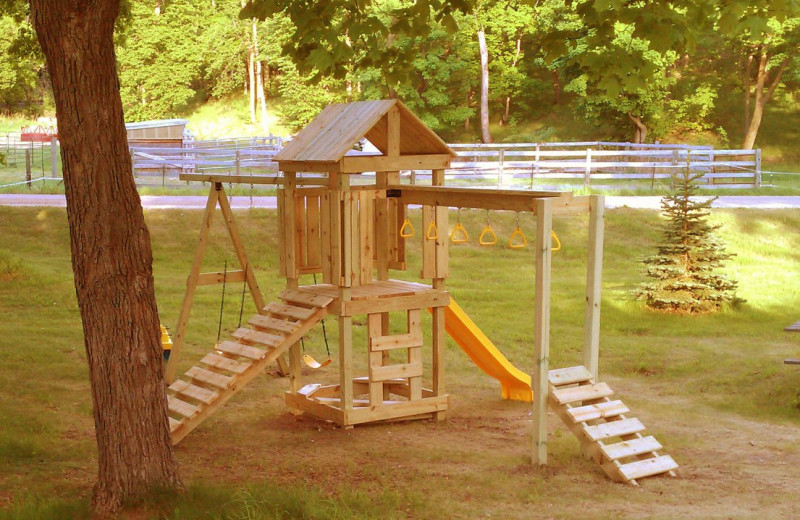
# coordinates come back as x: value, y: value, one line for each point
x: 191, y: 283
x: 28, y: 168
x: 345, y: 237
x: 587, y: 176
x: 500, y: 158
x: 53, y: 157
x: 594, y: 274
x: 441, y: 258
x: 541, y: 340
x: 758, y: 168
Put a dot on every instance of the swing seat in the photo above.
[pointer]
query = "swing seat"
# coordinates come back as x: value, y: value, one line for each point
x: 309, y: 360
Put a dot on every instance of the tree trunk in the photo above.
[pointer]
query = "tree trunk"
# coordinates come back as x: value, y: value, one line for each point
x: 111, y: 254
x: 262, y: 99
x: 762, y: 97
x: 486, y: 137
x: 556, y: 87
x: 640, y: 129
x: 507, y: 111
x: 251, y: 71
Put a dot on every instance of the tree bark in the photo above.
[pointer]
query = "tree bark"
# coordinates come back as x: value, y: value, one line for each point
x: 507, y: 111
x: 640, y: 129
x: 486, y: 136
x: 111, y: 253
x: 262, y: 99
x: 762, y: 97
x: 251, y: 71
x: 556, y: 87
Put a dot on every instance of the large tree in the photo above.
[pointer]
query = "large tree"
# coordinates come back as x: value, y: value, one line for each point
x: 111, y: 253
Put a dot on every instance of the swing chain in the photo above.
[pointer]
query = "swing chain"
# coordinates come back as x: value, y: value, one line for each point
x: 222, y: 300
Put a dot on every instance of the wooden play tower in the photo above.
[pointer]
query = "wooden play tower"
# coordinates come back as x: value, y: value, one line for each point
x: 351, y: 229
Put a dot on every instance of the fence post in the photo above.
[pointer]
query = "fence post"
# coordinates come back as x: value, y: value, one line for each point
x: 28, y: 168
x: 758, y: 167
x: 500, y: 156
x: 53, y: 157
x: 588, y: 174
x: 535, y: 165
x: 238, y: 159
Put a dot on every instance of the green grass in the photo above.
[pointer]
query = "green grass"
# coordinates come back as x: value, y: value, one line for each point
x: 726, y: 363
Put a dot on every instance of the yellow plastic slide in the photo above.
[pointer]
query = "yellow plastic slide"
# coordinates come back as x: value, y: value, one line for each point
x: 515, y: 383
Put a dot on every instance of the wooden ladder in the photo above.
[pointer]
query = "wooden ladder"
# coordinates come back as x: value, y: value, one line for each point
x: 220, y: 374
x: 589, y: 412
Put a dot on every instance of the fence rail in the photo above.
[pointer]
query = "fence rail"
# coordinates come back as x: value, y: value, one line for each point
x: 576, y: 164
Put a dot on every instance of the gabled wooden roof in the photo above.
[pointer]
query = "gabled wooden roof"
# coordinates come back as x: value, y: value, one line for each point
x: 340, y: 126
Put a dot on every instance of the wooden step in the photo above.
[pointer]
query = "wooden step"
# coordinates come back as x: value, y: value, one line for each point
x: 204, y: 395
x: 210, y: 378
x: 306, y: 298
x: 630, y: 448
x: 581, y: 393
x: 602, y: 431
x: 223, y: 363
x: 179, y: 407
x: 647, y: 467
x: 289, y: 311
x: 274, y: 324
x: 569, y: 376
x: 596, y: 411
x: 256, y: 336
x: 239, y: 349
x: 173, y: 424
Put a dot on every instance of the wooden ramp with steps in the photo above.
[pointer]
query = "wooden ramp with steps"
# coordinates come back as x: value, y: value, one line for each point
x: 220, y: 374
x: 596, y: 420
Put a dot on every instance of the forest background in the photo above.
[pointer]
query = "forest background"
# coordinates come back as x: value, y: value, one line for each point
x: 544, y: 77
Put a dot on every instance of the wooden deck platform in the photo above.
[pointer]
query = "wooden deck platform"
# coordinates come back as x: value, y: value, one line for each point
x: 381, y: 296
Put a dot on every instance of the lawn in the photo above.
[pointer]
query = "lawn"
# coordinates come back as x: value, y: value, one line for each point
x: 712, y: 388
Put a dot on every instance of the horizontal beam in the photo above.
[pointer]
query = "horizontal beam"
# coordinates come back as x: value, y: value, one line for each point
x: 250, y: 179
x: 221, y: 277
x: 503, y: 200
x: 369, y: 163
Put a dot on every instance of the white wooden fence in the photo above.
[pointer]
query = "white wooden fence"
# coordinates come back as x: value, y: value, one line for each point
x: 512, y: 164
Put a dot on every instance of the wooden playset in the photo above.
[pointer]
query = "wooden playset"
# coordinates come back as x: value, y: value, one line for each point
x: 351, y: 229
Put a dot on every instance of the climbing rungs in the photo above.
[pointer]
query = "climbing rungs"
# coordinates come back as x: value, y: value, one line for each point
x: 270, y: 323
x: 173, y: 424
x: 396, y: 341
x: 204, y: 395
x: 304, y: 298
x: 596, y: 411
x: 569, y: 376
x: 393, y: 371
x: 289, y: 311
x: 238, y: 349
x: 181, y: 407
x: 581, y: 393
x: 223, y: 363
x: 647, y: 467
x: 614, y: 429
x: 630, y: 448
x: 256, y: 336
x: 210, y: 378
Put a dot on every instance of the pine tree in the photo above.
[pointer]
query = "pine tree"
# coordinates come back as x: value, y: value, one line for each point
x: 685, y: 267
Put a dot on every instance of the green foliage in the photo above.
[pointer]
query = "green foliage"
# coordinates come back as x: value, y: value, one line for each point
x: 689, y: 258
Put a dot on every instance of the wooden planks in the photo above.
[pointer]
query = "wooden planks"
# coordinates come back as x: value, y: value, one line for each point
x: 239, y: 349
x: 223, y: 363
x: 569, y: 376
x: 647, y: 467
x: 204, y: 395
x: 582, y: 393
x: 630, y: 448
x: 614, y: 429
x: 603, y: 419
x: 604, y: 410
x: 209, y: 378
